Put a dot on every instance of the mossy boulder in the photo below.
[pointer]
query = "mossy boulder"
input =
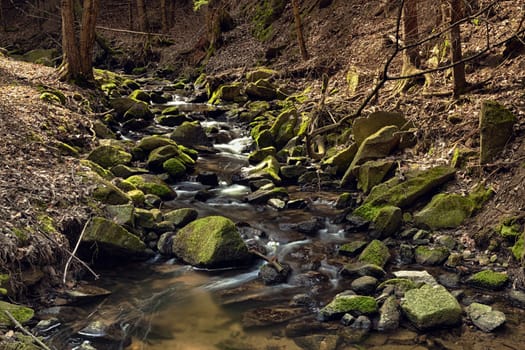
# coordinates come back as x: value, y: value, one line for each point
x: 352, y: 248
x: 488, y: 279
x: 227, y: 93
x: 375, y: 146
x: 260, y: 154
x: 181, y: 217
x: 403, y: 194
x: 431, y: 255
x: 172, y: 120
x: 372, y: 173
x: 496, y: 128
x: 283, y: 127
x: 149, y: 143
x: 376, y: 252
x: 264, y: 139
x: 46, y: 57
x: 123, y: 214
x: 342, y: 304
x: 125, y: 171
x: 212, y: 241
x: 120, y: 105
x: 174, y: 168
x: 342, y: 159
x: 269, y: 168
x: 431, y: 307
x: 262, y: 89
x: 21, y: 313
x: 139, y: 110
x: 113, y: 238
x: 261, y: 73
x: 140, y: 95
x: 158, y: 156
x: 387, y: 221
x: 151, y: 184
x: 147, y: 218
x: 190, y: 134
x: 108, y: 193
x: 97, y: 169
x: 364, y: 127
x: 137, y: 197
x: 109, y: 156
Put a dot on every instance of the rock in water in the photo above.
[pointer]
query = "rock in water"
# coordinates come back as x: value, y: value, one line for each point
x: 431, y: 306
x: 484, y: 317
x: 213, y: 241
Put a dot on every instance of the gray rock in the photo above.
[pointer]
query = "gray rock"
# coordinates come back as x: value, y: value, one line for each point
x: 362, y: 322
x: 517, y: 297
x: 269, y: 274
x: 484, y: 317
x: 365, y: 285
x: 431, y: 256
x: 347, y: 320
x: 389, y: 315
x: 418, y: 277
x: 431, y: 306
x: 406, y: 254
x: 359, y: 269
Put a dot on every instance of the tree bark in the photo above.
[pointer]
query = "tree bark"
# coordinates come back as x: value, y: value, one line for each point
x: 164, y: 15
x: 130, y: 14
x: 70, y: 51
x: 2, y: 18
x: 299, y: 30
x: 410, y: 32
x: 142, y: 16
x: 460, y: 82
x: 87, y: 37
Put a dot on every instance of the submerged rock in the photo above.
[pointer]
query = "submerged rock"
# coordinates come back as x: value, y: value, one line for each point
x: 484, y: 317
x: 269, y: 274
x: 212, y: 241
x: 431, y: 306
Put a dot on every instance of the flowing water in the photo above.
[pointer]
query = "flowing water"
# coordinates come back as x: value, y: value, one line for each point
x: 163, y: 305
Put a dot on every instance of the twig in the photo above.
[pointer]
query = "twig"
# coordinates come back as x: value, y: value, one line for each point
x: 272, y: 261
x: 74, y: 252
x: 25, y: 331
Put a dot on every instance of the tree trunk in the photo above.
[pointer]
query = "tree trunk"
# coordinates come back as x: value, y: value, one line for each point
x: 78, y: 54
x: 299, y: 29
x: 410, y: 32
x: 456, y: 14
x: 142, y: 17
x: 164, y: 15
x: 87, y: 37
x: 2, y: 18
x: 171, y: 13
x: 130, y: 15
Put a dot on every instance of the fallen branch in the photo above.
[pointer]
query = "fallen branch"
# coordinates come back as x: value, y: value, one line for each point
x: 25, y: 331
x: 72, y: 254
x: 271, y: 260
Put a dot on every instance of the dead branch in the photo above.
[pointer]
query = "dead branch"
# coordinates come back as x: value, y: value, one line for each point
x: 270, y: 260
x: 25, y: 331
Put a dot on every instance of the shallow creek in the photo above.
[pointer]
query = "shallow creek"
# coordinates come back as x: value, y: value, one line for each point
x: 162, y: 304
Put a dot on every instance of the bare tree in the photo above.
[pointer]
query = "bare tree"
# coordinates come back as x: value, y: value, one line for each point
x: 2, y: 18
x: 410, y: 32
x: 164, y: 15
x: 77, y: 50
x: 456, y: 14
x: 299, y: 29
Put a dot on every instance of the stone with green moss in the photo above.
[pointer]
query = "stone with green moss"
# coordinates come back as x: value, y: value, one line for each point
x: 125, y: 171
x: 139, y: 110
x: 123, y: 214
x: 496, y: 128
x: 21, y: 313
x: 210, y: 242
x: 171, y: 110
x: 342, y: 304
x: 137, y: 197
x: 260, y: 154
x: 53, y: 97
x: 46, y: 57
x: 140, y: 95
x: 461, y: 157
x: 264, y: 14
x: 190, y: 134
x: 375, y: 146
x: 151, y: 184
x: 262, y: 195
x: 342, y: 159
x: 261, y: 73
x: 227, y: 93
x: 262, y: 89
x: 372, y: 173
x: 269, y: 168
x: 102, y: 131
x: 352, y: 248
x: 404, y: 193
x: 431, y: 307
x: 108, y: 193
x: 364, y: 127
x: 130, y: 84
x: 174, y: 168
x: 149, y: 143
x: 109, y: 156
x: 114, y: 237
x: 120, y: 105
x: 376, y: 252
x: 431, y: 255
x: 172, y: 120
x: 147, y: 219
x: 158, y: 156
x: 181, y: 217
x: 100, y: 171
x: 401, y: 285
x: 283, y: 128
x: 488, y: 279
x: 387, y: 221
x: 264, y: 139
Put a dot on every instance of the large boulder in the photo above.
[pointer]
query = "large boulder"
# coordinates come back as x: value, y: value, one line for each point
x: 262, y: 89
x: 149, y: 143
x: 151, y: 184
x: 445, y: 211
x: 227, y: 93
x: 108, y: 156
x: 375, y: 146
x: 213, y: 241
x: 496, y: 127
x: 376, y: 252
x: 190, y: 134
x: 113, y: 238
x: 260, y: 73
x: 363, y: 127
x: 431, y: 307
x: 342, y: 159
x: 403, y: 194
x: 372, y: 173
x: 282, y: 129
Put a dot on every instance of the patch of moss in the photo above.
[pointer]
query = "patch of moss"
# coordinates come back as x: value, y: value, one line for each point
x: 174, y: 168
x: 47, y: 224
x: 341, y: 304
x: 266, y: 12
x: 150, y: 184
x: 488, y: 279
x: 21, y: 313
x: 518, y: 249
x: 376, y: 252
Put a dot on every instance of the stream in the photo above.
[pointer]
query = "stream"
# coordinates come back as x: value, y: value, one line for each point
x: 162, y: 304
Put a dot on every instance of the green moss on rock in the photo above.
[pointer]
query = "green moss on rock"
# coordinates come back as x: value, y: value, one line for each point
x: 488, y: 279
x: 376, y: 252
x: 174, y: 167
x: 342, y: 304
x: 151, y: 184
x: 21, y: 313
x: 109, y: 156
x: 104, y: 231
x: 211, y: 241
x: 149, y: 143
